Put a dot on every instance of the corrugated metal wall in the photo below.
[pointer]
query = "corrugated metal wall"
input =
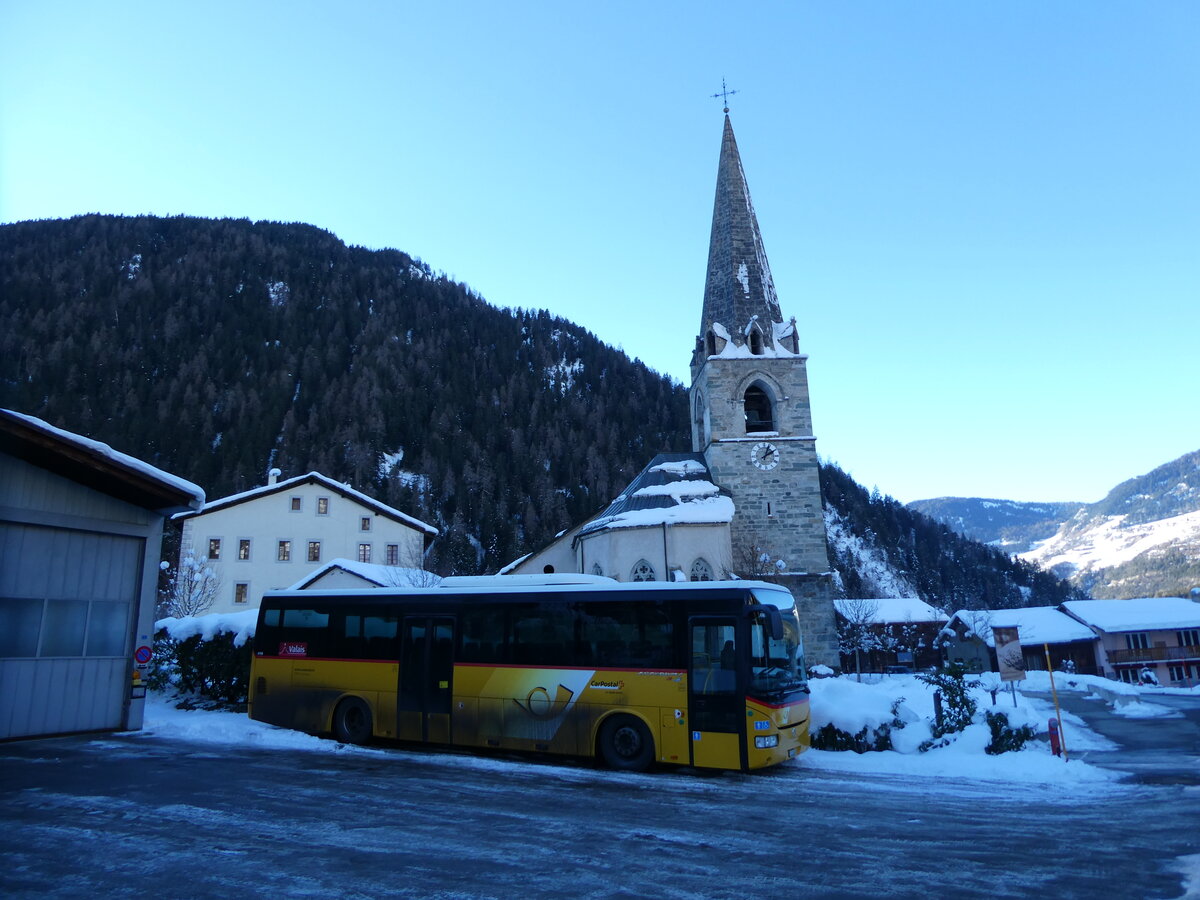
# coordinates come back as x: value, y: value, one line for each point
x: 68, y: 599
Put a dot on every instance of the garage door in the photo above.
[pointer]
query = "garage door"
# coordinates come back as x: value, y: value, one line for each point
x: 67, y: 601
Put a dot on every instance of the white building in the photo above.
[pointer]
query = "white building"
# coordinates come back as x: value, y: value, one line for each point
x: 273, y: 536
x: 343, y: 573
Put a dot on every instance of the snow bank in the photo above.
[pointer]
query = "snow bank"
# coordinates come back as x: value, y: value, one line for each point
x: 240, y: 624
x: 850, y: 706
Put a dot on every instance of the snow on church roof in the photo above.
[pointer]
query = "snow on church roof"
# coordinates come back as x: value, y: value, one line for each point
x: 675, y: 489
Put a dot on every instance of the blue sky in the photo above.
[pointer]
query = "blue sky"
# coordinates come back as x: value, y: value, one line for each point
x: 984, y: 216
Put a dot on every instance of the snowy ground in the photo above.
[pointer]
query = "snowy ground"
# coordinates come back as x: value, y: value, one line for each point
x: 845, y: 701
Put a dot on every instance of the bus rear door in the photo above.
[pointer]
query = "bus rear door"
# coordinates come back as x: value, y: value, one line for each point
x: 715, y: 707
x: 426, y: 679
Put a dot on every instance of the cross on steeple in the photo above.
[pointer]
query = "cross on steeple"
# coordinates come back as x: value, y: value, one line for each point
x: 724, y: 95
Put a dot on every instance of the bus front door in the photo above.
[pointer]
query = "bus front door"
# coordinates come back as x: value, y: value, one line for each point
x: 715, y: 706
x: 426, y: 679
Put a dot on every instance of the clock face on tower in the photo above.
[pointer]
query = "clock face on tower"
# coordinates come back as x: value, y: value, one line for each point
x: 764, y: 455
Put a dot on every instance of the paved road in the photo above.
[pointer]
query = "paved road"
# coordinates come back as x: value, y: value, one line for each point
x: 1153, y: 750
x: 132, y: 815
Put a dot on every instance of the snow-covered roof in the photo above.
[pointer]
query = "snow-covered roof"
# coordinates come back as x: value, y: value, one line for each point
x: 889, y: 610
x: 674, y: 489
x: 94, y: 463
x: 1034, y: 624
x: 376, y: 573
x: 312, y: 478
x: 1141, y: 614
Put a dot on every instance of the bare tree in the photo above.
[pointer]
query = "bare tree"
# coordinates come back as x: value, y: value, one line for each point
x: 754, y: 560
x: 855, y: 621
x: 191, y: 589
x: 411, y: 571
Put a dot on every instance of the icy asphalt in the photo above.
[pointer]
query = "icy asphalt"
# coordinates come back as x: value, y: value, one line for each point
x: 145, y: 815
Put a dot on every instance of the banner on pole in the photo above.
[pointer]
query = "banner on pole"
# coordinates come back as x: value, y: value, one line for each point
x: 1009, y: 658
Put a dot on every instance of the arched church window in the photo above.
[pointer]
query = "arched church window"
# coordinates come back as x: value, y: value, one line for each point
x: 596, y: 570
x: 642, y: 571
x: 701, y: 571
x: 759, y: 415
x: 756, y: 342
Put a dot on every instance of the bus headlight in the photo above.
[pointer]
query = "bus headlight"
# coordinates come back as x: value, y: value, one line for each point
x: 765, y: 743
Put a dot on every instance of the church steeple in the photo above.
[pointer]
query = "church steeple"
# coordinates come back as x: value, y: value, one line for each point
x: 739, y: 295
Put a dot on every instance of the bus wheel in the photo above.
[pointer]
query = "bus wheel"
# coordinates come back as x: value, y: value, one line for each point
x: 352, y: 721
x: 625, y: 743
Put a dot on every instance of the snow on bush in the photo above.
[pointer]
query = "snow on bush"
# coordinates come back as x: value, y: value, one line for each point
x: 204, y: 656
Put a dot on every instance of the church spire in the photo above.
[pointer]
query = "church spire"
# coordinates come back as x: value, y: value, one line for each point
x: 739, y: 295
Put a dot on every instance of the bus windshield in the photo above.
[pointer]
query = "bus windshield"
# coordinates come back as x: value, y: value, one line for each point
x: 776, y: 664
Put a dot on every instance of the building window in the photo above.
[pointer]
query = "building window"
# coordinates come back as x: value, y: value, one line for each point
x: 758, y: 410
x: 701, y: 571
x: 1137, y: 640
x: 314, y: 551
x: 1129, y: 676
x: 243, y: 548
x: 364, y: 523
x: 364, y: 553
x: 285, y: 551
x: 296, y: 503
x: 642, y: 571
x: 1189, y: 637
x: 393, y: 554
x: 596, y: 570
x: 1186, y: 674
x: 769, y: 509
x: 214, y: 548
x: 322, y: 506
x: 241, y: 592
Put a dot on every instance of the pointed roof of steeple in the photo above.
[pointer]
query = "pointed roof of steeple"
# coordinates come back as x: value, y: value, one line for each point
x: 739, y: 285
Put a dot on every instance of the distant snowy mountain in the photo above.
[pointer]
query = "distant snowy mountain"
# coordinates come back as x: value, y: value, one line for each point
x: 1141, y: 540
x: 1008, y: 525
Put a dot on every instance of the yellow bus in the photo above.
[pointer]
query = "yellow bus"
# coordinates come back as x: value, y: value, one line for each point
x: 704, y: 674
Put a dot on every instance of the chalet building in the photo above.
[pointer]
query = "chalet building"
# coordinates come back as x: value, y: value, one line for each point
x: 1159, y: 633
x: 273, y: 536
x: 80, y: 538
x: 746, y: 501
x: 968, y: 640
x: 892, y: 633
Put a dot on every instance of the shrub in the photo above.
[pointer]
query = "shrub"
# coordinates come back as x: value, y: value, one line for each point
x: 1005, y: 738
x: 215, y: 669
x: 958, y: 706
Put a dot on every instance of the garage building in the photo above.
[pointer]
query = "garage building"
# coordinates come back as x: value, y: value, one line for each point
x: 80, y: 538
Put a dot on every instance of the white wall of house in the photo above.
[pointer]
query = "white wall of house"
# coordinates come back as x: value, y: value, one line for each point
x: 675, y: 547
x: 271, y: 519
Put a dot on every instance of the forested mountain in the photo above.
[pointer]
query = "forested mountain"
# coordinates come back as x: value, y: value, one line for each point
x: 1009, y: 525
x: 216, y: 349
x: 882, y: 548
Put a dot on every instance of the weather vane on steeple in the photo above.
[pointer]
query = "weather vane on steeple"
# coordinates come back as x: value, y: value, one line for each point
x: 724, y: 95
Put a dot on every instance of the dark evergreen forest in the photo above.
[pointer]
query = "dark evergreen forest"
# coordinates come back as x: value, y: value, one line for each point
x: 217, y: 349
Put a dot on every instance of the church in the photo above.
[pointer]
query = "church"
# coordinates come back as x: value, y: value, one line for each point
x: 746, y: 502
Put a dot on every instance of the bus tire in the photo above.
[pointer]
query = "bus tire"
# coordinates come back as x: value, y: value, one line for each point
x: 352, y: 721
x: 626, y: 743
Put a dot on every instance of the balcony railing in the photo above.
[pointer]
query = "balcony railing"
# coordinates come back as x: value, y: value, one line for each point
x: 1154, y: 654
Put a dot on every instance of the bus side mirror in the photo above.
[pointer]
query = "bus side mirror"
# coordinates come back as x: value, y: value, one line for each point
x: 774, y: 623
